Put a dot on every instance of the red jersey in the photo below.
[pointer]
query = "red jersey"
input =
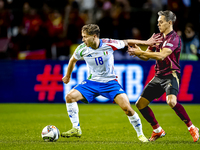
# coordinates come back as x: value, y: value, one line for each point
x: 171, y: 62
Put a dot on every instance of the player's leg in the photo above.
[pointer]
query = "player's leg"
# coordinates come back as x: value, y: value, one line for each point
x: 72, y: 108
x: 123, y: 101
x: 151, y: 91
x: 180, y: 111
x: 142, y: 105
x: 172, y: 92
x: 86, y: 91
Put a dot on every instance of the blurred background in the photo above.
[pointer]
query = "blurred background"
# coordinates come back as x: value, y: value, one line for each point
x: 51, y: 29
x: 37, y: 38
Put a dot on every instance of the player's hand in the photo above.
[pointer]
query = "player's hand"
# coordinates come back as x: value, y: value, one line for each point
x: 66, y: 79
x: 154, y: 39
x: 134, y: 51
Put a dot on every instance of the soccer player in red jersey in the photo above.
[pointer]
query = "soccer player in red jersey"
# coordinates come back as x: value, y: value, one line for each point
x: 167, y: 75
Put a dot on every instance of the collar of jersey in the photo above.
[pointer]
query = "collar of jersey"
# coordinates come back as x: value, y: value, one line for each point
x: 170, y: 33
x: 100, y: 44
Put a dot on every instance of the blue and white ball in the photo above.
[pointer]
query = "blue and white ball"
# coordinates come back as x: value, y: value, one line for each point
x: 50, y: 133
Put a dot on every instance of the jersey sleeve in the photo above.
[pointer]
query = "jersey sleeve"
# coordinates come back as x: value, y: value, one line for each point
x: 78, y: 53
x: 172, y: 43
x: 114, y: 44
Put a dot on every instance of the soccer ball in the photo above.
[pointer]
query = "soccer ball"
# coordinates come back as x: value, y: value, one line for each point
x: 50, y: 133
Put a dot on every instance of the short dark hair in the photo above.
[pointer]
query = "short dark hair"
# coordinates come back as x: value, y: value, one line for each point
x: 169, y: 15
x: 91, y: 29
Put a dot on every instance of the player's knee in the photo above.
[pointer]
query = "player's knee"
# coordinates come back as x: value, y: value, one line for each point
x: 138, y: 104
x: 69, y: 98
x: 142, y: 103
x: 171, y: 101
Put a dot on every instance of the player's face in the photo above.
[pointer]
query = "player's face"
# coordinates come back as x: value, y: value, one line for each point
x: 88, y: 39
x: 163, y: 25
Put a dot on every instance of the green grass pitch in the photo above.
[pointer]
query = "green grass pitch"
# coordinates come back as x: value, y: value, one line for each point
x: 104, y: 126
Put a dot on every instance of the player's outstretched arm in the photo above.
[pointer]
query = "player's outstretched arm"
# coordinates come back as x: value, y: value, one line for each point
x: 151, y: 41
x: 71, y: 64
x: 131, y: 51
x: 149, y: 54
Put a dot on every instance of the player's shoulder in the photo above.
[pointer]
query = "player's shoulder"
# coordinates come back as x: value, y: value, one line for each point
x: 107, y: 40
x: 172, y: 40
x: 81, y: 47
x: 174, y: 35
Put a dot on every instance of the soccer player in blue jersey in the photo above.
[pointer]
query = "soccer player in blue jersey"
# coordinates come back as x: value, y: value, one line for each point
x: 167, y: 75
x: 102, y: 80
